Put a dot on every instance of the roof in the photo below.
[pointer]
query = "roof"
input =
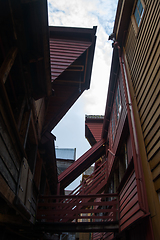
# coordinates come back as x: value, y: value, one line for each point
x: 124, y: 10
x: 94, y: 117
x: 66, y: 153
x: 93, y: 128
x: 71, y: 55
x: 111, y: 89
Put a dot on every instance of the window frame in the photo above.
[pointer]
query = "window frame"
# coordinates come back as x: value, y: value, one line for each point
x: 115, y: 115
x: 133, y: 18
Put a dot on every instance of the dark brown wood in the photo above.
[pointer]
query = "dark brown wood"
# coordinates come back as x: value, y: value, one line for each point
x: 6, y: 191
x: 21, y: 113
x: 7, y: 64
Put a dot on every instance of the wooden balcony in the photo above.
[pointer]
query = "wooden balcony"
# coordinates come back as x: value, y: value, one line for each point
x: 77, y: 213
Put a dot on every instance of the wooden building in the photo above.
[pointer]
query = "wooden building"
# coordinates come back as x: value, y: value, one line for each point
x: 136, y: 50
x: 43, y: 71
x: 64, y: 158
x: 131, y: 123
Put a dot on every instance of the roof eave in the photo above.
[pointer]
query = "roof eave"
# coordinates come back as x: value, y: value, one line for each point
x: 109, y: 102
x: 122, y: 19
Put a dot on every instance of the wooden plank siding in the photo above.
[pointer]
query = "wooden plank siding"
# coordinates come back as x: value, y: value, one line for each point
x: 129, y: 206
x: 96, y: 129
x: 142, y: 51
x: 8, y: 157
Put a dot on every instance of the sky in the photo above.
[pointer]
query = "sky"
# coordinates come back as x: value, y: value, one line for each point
x: 70, y: 132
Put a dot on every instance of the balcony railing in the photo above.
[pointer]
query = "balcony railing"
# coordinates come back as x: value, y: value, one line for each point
x: 94, y: 183
x: 78, y: 208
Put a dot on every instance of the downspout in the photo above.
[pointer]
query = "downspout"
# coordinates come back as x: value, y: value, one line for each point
x: 136, y: 156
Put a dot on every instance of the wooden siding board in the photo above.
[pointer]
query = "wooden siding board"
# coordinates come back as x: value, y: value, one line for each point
x: 130, y: 45
x: 155, y: 160
x: 147, y: 126
x: 7, y: 176
x: 9, y: 141
x: 6, y: 191
x: 129, y: 206
x: 23, y: 180
x: 157, y: 184
x: 127, y: 185
x: 156, y: 172
x: 96, y: 130
x: 62, y: 48
x: 154, y: 110
x: 129, y: 196
x: 136, y: 216
x: 149, y: 65
x: 28, y: 199
x: 134, y: 209
x: 6, y: 158
x: 153, y: 131
x: 154, y: 150
x: 150, y: 101
x: 147, y: 60
x: 153, y: 142
x: 151, y: 81
x: 129, y: 188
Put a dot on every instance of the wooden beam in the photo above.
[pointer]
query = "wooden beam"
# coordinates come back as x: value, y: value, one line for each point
x: 7, y: 64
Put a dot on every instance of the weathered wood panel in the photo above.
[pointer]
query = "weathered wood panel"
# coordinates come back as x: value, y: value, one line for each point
x: 23, y: 181
x: 28, y: 199
x: 9, y: 161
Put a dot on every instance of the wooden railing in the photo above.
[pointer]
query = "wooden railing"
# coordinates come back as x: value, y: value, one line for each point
x: 94, y: 183
x: 78, y: 208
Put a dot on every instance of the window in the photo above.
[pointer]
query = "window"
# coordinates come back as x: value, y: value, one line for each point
x: 113, y: 125
x: 123, y: 161
x: 116, y: 110
x: 118, y: 103
x: 138, y: 13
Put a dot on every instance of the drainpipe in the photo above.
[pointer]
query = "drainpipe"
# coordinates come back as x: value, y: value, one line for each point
x: 136, y: 157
